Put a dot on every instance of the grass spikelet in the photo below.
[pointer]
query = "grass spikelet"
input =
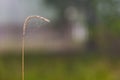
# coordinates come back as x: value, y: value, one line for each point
x: 23, y: 37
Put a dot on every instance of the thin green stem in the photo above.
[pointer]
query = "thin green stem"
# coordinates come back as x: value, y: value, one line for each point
x: 23, y: 38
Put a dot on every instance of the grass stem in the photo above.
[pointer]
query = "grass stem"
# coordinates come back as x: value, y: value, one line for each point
x: 23, y: 38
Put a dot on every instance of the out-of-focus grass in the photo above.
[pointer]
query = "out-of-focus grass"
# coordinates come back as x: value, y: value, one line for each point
x: 54, y: 67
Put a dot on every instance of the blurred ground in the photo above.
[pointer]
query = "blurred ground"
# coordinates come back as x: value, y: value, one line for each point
x: 61, y: 67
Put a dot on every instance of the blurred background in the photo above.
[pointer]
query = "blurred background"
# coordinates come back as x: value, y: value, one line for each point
x: 82, y: 41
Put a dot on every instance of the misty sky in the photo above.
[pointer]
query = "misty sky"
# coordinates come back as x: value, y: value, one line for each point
x: 18, y: 10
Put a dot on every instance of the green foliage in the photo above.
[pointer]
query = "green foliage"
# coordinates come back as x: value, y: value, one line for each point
x: 108, y: 11
x: 59, y: 68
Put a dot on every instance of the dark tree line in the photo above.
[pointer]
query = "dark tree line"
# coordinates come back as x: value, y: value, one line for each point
x: 103, y: 17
